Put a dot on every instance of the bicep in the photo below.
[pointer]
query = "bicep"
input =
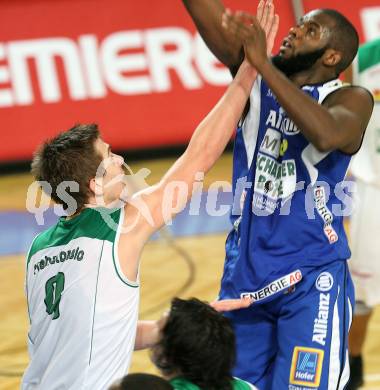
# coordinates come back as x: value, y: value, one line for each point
x: 351, y: 112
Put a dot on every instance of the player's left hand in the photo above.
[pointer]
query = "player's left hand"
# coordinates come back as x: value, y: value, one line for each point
x: 231, y: 304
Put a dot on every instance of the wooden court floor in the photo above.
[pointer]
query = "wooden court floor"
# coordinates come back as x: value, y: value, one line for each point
x: 186, y: 267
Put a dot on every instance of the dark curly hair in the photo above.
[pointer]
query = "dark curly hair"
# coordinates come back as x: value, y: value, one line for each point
x: 198, y: 344
x: 142, y: 382
x: 70, y: 156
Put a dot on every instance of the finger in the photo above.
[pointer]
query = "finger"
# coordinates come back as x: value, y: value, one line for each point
x: 226, y: 17
x: 234, y: 23
x: 229, y: 25
x: 266, y: 11
x: 260, y: 10
x: 231, y: 304
x: 246, y: 18
x: 270, y: 17
x: 234, y: 304
x: 272, y: 34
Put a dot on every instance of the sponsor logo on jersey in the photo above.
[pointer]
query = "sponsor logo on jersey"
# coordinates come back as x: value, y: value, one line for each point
x: 324, y: 282
x: 275, y: 179
x: 62, y: 256
x: 325, y: 214
x: 306, y: 366
x: 280, y: 121
x: 321, y: 321
x: 276, y: 286
x: 271, y: 143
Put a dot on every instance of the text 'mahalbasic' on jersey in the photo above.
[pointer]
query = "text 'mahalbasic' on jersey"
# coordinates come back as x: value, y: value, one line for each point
x: 366, y: 73
x: 83, y: 311
x: 289, y: 219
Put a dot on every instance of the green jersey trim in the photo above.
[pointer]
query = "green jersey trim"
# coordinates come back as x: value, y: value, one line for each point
x: 89, y: 223
x: 369, y: 55
x: 28, y: 256
x: 183, y: 384
x: 96, y: 293
x: 115, y: 256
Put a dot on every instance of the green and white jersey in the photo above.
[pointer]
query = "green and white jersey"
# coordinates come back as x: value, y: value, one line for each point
x: 83, y: 311
x: 366, y: 73
x: 180, y: 383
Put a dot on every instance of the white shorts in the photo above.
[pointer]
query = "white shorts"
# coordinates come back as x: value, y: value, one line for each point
x: 365, y: 244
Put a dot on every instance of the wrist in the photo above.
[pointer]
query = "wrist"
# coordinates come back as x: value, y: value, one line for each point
x: 245, y: 76
x: 264, y: 66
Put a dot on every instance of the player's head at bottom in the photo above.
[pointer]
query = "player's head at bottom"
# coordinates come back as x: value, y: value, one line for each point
x: 196, y: 343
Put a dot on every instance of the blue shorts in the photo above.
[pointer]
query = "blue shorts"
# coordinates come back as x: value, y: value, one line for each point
x: 299, y: 340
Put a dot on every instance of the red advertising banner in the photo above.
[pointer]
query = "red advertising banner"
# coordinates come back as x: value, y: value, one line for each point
x: 137, y: 68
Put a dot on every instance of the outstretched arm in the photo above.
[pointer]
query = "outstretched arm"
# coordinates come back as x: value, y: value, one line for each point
x: 148, y: 332
x: 209, y: 140
x: 206, y: 145
x: 158, y: 204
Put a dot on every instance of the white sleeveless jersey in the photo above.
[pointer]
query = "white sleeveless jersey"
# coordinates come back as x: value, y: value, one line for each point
x: 83, y: 312
x: 366, y: 73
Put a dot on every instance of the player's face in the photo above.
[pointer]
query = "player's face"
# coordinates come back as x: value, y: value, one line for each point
x: 305, y: 43
x: 112, y: 175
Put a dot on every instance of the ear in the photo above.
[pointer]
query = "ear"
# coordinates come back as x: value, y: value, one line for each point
x: 93, y: 185
x: 332, y: 57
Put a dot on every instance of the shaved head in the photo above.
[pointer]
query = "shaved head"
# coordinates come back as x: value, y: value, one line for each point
x: 344, y: 38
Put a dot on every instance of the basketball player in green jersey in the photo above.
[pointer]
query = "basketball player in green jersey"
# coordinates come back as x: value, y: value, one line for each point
x: 82, y: 279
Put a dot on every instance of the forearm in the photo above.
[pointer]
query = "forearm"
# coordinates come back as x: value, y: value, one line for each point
x: 213, y: 133
x: 147, y: 334
x: 313, y: 120
x: 207, y: 16
x: 206, y: 145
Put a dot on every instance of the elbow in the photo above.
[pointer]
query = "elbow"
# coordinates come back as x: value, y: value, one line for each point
x: 325, y: 143
x: 323, y: 146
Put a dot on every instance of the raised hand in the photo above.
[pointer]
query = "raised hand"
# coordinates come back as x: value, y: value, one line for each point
x: 256, y: 33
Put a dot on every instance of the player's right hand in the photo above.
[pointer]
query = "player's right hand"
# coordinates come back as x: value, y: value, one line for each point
x: 231, y: 304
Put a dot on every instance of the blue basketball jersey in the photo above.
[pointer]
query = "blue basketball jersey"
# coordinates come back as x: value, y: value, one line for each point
x: 291, y: 217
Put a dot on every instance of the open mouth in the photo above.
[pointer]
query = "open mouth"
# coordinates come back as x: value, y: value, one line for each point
x: 285, y: 45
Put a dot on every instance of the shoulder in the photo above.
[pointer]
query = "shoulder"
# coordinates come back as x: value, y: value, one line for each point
x: 40, y: 241
x: 239, y: 384
x: 352, y: 95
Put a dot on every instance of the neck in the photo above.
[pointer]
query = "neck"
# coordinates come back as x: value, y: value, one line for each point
x: 75, y: 214
x: 311, y: 77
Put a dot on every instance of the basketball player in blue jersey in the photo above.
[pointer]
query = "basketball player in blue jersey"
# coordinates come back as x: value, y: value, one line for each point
x: 288, y: 249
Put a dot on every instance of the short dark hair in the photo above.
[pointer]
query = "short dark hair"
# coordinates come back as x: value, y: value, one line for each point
x: 70, y: 156
x: 142, y: 381
x: 345, y: 38
x: 198, y: 344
